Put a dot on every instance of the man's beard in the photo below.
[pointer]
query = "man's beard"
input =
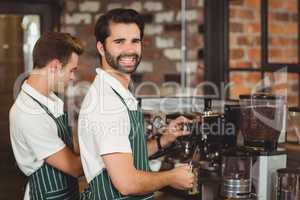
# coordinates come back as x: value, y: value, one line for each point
x: 114, y: 62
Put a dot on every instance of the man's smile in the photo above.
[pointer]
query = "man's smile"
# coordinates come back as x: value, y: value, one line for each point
x: 127, y: 60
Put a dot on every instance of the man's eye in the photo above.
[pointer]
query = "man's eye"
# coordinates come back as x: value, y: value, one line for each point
x: 137, y: 41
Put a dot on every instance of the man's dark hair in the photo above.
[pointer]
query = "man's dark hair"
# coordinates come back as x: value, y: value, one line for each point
x: 55, y: 45
x: 118, y: 15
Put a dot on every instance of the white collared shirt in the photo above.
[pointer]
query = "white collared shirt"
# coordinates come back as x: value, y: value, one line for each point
x: 33, y: 132
x: 104, y: 124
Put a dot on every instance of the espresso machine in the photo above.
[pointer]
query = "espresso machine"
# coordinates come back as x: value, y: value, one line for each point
x: 236, y: 146
x: 212, y: 132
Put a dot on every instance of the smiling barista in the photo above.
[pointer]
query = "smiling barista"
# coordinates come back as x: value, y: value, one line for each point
x: 40, y: 136
x: 113, y: 149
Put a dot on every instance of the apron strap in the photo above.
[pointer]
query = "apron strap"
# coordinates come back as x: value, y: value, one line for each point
x: 123, y: 101
x: 42, y: 106
x: 58, y: 122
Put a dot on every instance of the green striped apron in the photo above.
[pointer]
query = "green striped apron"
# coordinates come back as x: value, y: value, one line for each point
x: 49, y: 183
x: 101, y: 187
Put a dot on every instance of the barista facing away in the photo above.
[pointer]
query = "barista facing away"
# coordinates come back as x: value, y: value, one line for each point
x: 40, y: 136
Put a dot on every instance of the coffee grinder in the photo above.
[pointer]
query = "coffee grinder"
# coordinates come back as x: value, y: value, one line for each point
x: 263, y: 119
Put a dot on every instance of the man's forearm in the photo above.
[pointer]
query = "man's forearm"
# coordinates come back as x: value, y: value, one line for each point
x: 67, y: 161
x: 153, y: 147
x: 130, y: 181
x: 146, y: 182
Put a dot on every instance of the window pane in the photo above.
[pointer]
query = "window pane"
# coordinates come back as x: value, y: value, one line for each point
x: 285, y: 84
x: 283, y: 31
x: 195, y: 47
x: 31, y: 33
x: 159, y: 73
x: 243, y: 83
x: 244, y: 34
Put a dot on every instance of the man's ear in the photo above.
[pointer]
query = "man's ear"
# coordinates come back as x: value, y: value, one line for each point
x: 54, y: 65
x: 100, y: 48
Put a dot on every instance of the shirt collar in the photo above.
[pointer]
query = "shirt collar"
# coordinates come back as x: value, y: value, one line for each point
x: 129, y: 99
x: 53, y: 103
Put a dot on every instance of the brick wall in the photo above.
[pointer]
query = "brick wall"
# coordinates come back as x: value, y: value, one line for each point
x: 162, y: 54
x: 245, y: 50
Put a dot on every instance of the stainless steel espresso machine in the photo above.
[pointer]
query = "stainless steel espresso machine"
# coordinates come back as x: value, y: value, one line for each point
x: 236, y: 146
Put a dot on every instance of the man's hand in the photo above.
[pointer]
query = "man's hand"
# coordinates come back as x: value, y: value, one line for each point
x: 174, y: 130
x: 184, y: 177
